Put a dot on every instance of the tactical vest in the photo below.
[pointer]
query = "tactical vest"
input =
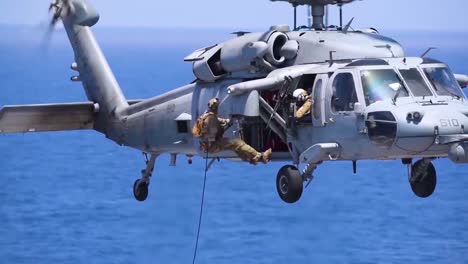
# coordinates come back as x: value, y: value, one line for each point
x: 197, y: 130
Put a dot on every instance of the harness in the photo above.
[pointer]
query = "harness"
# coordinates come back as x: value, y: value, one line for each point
x: 199, y: 130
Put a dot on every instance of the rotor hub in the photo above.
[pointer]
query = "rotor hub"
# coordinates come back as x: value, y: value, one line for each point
x: 318, y: 9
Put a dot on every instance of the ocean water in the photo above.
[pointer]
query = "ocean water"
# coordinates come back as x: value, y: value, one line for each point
x: 66, y: 197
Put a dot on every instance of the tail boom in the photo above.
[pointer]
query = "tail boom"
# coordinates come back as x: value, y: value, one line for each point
x: 96, y: 75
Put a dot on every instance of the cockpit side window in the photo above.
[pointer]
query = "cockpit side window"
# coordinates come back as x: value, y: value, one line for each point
x: 344, y: 93
x: 380, y: 85
x: 415, y: 82
x: 443, y: 81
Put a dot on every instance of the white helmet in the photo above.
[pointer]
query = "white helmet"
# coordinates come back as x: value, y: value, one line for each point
x: 300, y: 94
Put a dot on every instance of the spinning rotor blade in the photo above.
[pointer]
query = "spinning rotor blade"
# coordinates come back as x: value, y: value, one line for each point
x: 57, y: 8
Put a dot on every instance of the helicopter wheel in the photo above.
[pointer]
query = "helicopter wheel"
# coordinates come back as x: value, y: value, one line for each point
x: 423, y: 179
x: 289, y: 184
x: 140, y: 190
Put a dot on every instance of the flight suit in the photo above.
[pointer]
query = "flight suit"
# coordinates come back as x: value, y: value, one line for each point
x: 212, y: 140
x: 305, y: 108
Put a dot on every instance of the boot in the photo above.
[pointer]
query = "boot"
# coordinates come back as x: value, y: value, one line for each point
x: 266, y: 156
x: 255, y: 159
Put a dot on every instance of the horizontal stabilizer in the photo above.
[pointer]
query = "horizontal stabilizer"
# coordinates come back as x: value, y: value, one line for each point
x: 48, y: 117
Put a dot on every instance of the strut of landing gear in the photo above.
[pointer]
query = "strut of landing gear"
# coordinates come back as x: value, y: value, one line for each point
x: 140, y: 187
x: 289, y: 184
x: 423, y: 178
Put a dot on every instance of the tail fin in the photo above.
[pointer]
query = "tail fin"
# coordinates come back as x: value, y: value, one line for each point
x: 99, y: 82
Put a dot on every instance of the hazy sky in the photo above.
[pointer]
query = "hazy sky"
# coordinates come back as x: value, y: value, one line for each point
x: 251, y: 14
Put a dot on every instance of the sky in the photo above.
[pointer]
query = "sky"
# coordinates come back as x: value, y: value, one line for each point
x: 427, y: 15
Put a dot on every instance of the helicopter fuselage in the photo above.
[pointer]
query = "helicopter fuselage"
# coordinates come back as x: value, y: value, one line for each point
x: 163, y: 124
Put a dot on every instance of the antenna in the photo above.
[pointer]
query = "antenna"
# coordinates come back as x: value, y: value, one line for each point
x: 427, y: 51
x: 346, y: 28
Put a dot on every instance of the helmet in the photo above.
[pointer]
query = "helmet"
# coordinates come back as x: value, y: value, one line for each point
x: 213, y: 104
x: 300, y: 94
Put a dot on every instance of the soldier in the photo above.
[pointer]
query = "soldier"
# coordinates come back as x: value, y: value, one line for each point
x: 210, y: 129
x: 303, y: 98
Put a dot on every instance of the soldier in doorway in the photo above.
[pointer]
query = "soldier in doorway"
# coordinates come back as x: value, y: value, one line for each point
x: 210, y: 129
x: 304, y: 102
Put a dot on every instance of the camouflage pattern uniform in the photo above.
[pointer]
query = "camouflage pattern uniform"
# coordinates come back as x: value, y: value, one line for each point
x: 211, y: 133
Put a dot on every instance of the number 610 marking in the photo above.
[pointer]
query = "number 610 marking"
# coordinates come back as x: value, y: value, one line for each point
x: 449, y: 123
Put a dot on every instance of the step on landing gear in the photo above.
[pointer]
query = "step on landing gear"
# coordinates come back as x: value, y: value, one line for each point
x: 140, y: 187
x: 423, y: 178
x: 289, y: 184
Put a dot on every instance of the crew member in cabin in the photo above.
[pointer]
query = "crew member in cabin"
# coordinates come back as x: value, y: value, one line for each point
x: 304, y: 103
x: 210, y: 129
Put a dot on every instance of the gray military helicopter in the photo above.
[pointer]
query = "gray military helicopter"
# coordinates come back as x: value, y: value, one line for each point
x: 370, y: 101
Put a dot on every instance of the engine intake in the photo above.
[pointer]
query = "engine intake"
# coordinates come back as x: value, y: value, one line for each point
x: 248, y: 53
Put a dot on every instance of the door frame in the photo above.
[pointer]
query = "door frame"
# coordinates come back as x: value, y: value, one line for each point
x: 330, y: 114
x: 319, y: 122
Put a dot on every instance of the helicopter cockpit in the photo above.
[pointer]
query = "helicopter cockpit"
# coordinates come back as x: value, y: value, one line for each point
x: 381, y: 84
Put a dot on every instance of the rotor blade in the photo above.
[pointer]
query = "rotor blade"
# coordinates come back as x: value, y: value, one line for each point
x: 57, y: 7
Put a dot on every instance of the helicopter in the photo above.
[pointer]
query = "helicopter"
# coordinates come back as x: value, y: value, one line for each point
x: 370, y: 101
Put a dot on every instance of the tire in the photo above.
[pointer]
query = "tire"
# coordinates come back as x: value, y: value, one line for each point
x: 289, y: 184
x: 423, y: 179
x: 140, y: 190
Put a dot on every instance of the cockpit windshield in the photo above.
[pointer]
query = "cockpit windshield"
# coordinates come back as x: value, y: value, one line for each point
x: 443, y: 81
x: 415, y: 82
x: 379, y: 85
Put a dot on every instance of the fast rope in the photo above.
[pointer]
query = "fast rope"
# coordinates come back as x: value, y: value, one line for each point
x: 201, y: 210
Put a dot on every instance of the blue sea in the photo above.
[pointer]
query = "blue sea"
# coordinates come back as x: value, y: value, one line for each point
x: 66, y: 197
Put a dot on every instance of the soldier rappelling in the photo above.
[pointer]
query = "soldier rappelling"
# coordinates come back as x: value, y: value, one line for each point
x: 210, y: 129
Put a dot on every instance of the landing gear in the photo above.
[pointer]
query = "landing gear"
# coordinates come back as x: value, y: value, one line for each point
x: 289, y: 184
x: 423, y: 178
x: 140, y: 187
x: 140, y: 190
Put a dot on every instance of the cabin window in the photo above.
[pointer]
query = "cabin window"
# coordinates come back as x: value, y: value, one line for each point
x: 182, y: 127
x: 380, y: 85
x: 415, y: 82
x: 344, y: 93
x: 183, y: 123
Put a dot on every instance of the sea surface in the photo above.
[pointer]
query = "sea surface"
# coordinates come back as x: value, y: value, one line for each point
x: 66, y: 197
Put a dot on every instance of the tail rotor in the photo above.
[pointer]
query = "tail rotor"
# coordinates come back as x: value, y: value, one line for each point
x: 58, y: 8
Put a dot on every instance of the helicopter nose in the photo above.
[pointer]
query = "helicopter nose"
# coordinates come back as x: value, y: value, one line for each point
x: 418, y: 130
